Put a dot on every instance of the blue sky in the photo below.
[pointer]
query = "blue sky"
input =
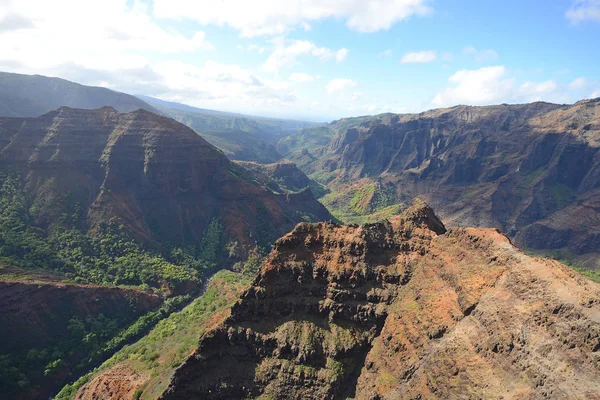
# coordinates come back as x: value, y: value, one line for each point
x: 313, y: 59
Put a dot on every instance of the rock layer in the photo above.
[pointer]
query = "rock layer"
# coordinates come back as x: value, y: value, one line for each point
x: 402, y: 309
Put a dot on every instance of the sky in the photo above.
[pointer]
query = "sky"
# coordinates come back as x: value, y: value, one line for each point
x: 312, y: 59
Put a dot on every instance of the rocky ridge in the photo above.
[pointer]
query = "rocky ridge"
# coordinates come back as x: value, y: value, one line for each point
x: 401, y: 309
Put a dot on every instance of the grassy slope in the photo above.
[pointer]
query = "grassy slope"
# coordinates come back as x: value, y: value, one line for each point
x: 155, y: 357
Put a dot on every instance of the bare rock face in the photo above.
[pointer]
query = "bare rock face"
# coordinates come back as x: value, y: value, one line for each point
x: 402, y: 309
x: 157, y: 176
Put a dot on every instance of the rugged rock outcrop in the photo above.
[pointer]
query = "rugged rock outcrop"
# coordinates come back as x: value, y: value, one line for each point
x: 402, y: 309
x: 157, y: 176
x: 506, y: 166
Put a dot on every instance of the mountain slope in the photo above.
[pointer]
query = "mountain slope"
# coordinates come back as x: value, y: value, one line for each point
x: 147, y: 366
x: 401, y: 309
x: 34, y: 95
x: 506, y: 166
x: 155, y: 175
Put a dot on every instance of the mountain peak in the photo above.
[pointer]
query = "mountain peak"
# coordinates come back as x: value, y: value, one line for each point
x: 420, y: 213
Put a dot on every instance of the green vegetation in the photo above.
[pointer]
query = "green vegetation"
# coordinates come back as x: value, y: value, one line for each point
x: 359, y: 203
x: 110, y: 257
x: 364, y: 202
x: 562, y: 195
x: 90, y: 340
x: 252, y: 264
x: 158, y: 354
x: 266, y: 232
x: 211, y: 242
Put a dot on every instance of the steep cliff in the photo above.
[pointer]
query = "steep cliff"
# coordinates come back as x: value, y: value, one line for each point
x: 401, y: 309
x: 157, y: 176
x: 508, y: 166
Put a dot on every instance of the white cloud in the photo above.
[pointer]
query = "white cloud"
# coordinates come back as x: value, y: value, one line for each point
x: 578, y: 84
x: 300, y: 77
x: 475, y: 87
x: 219, y: 84
x: 595, y: 94
x: 341, y: 54
x: 118, y: 45
x: 339, y: 84
x: 480, y: 56
x: 418, y: 57
x: 493, y: 85
x: 276, y: 17
x: 536, y: 91
x: 107, y: 35
x: 582, y: 10
x: 284, y: 55
x: 385, y: 53
x: 256, y: 48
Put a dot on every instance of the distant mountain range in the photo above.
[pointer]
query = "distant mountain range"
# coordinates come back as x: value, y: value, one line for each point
x: 241, y: 137
x: 34, y: 95
x: 202, y: 120
x: 530, y: 170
